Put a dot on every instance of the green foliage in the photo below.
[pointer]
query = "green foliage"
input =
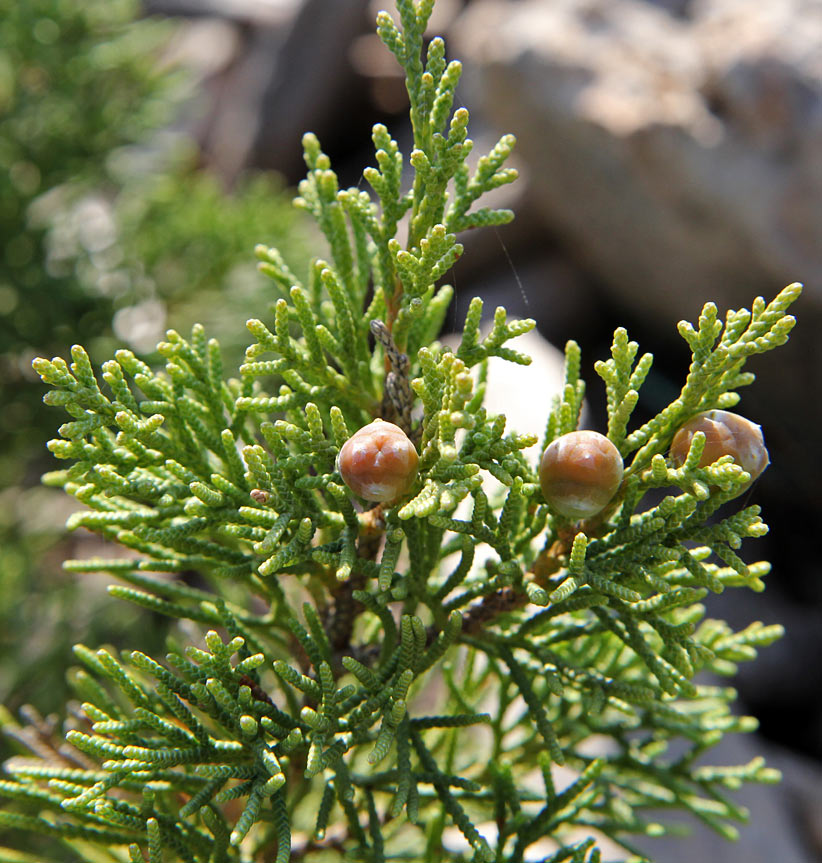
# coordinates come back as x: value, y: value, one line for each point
x: 75, y: 83
x: 462, y: 657
x: 96, y: 223
x: 79, y: 83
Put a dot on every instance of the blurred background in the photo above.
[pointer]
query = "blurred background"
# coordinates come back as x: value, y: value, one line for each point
x: 670, y: 153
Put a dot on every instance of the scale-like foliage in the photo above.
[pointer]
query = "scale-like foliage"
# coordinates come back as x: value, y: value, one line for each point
x: 366, y: 678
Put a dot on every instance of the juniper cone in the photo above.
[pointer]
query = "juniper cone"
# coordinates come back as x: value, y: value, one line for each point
x: 726, y: 434
x: 378, y: 462
x: 579, y: 474
x: 328, y: 670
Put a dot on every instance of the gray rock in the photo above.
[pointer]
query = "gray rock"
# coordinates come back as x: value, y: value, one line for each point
x: 312, y: 84
x: 247, y: 12
x: 678, y: 156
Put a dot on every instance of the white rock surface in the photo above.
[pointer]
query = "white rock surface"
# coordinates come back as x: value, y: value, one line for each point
x: 524, y: 393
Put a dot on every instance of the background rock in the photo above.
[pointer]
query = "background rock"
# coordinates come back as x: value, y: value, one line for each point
x: 297, y: 96
x: 671, y: 153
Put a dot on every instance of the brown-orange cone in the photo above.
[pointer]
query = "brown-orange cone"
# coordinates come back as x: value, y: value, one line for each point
x: 378, y: 462
x: 725, y: 433
x: 579, y: 473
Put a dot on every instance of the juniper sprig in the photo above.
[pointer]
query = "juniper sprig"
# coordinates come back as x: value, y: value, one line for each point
x: 462, y: 655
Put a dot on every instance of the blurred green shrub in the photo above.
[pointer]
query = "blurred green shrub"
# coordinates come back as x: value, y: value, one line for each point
x: 108, y: 233
x: 172, y: 247
x: 77, y: 80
